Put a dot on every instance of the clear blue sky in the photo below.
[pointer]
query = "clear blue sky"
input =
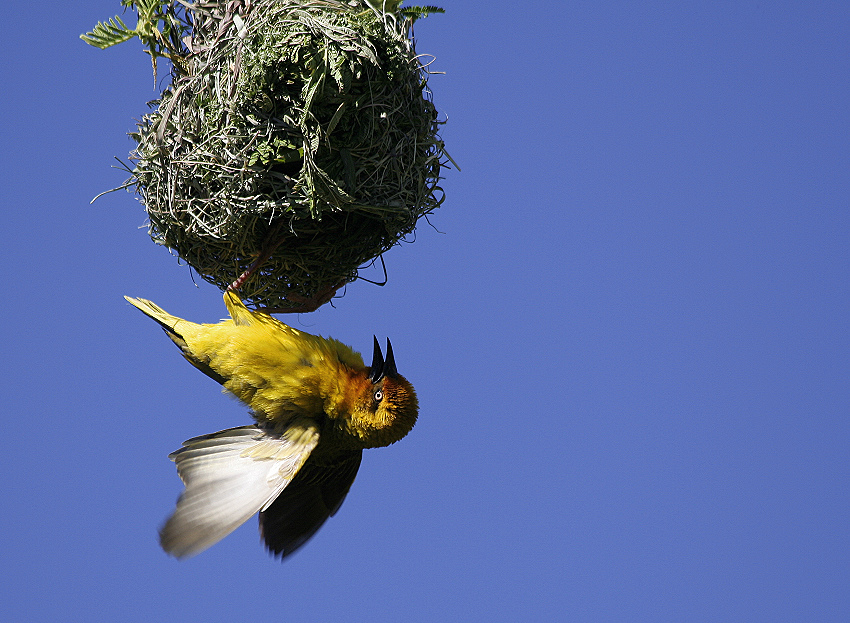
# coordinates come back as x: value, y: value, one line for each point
x: 629, y: 336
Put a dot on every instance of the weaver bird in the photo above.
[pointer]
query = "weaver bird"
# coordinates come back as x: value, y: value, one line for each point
x: 316, y: 407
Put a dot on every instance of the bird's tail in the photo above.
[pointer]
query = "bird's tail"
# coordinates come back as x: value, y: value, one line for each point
x: 156, y: 312
x: 169, y: 324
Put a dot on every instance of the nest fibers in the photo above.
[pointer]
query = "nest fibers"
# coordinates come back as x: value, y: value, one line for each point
x: 301, y: 128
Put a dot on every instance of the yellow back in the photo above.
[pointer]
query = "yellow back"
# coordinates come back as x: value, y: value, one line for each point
x: 275, y: 369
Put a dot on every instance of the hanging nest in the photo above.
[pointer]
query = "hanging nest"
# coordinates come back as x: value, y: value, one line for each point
x: 300, y: 133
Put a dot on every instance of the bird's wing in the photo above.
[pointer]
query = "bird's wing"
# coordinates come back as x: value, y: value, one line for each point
x: 299, y: 511
x: 229, y: 476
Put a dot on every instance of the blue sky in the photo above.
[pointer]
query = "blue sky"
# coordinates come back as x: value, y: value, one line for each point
x: 627, y: 329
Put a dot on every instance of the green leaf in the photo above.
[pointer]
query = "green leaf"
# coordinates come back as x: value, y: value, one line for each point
x: 413, y: 13
x: 107, y: 34
x: 292, y: 155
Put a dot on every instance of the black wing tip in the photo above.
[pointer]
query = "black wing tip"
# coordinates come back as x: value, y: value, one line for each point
x: 279, y: 545
x: 305, y: 505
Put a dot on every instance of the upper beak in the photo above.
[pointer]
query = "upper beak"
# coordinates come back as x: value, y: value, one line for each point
x: 389, y: 364
x: 380, y: 367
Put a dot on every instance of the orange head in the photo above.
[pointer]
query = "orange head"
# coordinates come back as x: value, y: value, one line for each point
x: 385, y: 407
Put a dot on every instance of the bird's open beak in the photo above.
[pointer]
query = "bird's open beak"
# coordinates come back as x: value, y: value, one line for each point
x: 380, y: 367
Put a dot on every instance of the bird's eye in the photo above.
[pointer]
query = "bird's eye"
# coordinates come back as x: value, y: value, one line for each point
x: 378, y: 395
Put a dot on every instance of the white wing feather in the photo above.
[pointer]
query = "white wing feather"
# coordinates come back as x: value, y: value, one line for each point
x: 230, y: 476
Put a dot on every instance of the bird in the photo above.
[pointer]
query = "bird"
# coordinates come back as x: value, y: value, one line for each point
x: 316, y: 407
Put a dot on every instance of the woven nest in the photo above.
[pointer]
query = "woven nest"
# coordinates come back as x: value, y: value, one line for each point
x: 301, y: 132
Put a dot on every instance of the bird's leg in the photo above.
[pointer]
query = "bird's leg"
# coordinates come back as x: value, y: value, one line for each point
x: 306, y: 304
x: 268, y: 248
x: 301, y: 304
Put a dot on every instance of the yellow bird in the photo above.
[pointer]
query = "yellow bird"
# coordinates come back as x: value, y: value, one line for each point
x: 316, y: 407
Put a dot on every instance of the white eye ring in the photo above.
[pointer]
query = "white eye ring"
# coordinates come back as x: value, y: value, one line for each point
x: 378, y: 395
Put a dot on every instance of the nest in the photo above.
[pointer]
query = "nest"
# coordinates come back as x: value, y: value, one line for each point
x: 296, y: 138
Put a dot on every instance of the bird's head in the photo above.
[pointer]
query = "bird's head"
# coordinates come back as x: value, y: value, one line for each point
x: 386, y: 406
